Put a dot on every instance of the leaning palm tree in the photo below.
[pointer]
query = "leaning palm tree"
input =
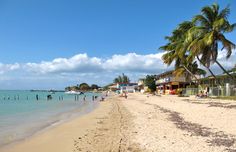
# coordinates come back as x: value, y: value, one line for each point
x: 193, y: 67
x: 182, y: 66
x: 180, y: 40
x: 176, y: 48
x: 211, y: 25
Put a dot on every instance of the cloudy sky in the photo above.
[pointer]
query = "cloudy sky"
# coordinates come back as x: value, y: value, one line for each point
x: 50, y: 45
x: 60, y: 72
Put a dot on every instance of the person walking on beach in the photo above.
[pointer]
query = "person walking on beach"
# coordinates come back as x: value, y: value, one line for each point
x: 126, y: 95
x: 37, y: 97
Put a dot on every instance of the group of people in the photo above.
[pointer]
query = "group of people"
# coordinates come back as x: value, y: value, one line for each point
x: 124, y: 94
x: 202, y: 94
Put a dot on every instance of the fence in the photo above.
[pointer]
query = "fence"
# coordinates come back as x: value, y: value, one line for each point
x: 213, y: 91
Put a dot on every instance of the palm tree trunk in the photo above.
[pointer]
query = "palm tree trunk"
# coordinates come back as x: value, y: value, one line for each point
x: 198, y: 81
x: 216, y: 48
x: 232, y: 77
x: 207, y: 69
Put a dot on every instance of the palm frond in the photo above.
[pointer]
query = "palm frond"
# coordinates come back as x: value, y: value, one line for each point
x: 228, y: 27
x: 200, y: 19
x: 215, y: 7
x: 206, y: 56
x: 225, y: 12
x: 179, y: 71
x: 208, y: 13
x: 228, y: 45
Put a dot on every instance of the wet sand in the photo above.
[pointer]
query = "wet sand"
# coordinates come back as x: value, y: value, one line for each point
x: 141, y: 123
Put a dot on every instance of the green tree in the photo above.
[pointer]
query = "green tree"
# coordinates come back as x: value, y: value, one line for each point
x: 94, y: 86
x: 68, y: 88
x: 176, y: 49
x: 199, y: 40
x: 233, y: 70
x: 84, y: 87
x: 150, y: 82
x: 106, y: 87
x: 122, y: 79
x: 193, y: 67
x: 211, y: 25
x: 72, y: 88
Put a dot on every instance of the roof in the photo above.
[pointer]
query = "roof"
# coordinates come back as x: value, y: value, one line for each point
x: 218, y: 76
x: 126, y: 83
x: 165, y: 73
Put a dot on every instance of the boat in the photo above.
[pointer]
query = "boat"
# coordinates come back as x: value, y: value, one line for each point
x: 73, y: 92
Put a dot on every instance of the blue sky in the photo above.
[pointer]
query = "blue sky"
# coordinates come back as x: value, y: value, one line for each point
x: 38, y: 31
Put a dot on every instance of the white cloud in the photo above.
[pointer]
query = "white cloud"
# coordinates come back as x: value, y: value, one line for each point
x: 226, y: 63
x: 81, y: 63
x: 82, y: 68
x: 150, y: 63
x: 8, y: 67
x: 77, y: 63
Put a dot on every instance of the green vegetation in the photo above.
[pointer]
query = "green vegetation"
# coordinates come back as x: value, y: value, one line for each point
x: 233, y: 70
x: 72, y: 88
x: 150, y: 82
x: 122, y: 79
x: 82, y: 87
x: 94, y: 86
x: 198, y: 40
x: 106, y: 87
x: 176, y: 52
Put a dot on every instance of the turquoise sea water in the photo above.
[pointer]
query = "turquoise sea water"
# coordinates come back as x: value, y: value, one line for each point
x: 22, y: 115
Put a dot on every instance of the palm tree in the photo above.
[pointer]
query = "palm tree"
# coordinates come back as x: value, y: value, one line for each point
x: 176, y: 48
x: 192, y: 67
x: 122, y: 79
x: 208, y: 33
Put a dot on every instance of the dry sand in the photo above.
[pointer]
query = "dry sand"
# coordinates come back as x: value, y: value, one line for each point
x: 141, y: 123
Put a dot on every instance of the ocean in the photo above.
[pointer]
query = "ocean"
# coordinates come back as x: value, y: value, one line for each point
x: 24, y: 113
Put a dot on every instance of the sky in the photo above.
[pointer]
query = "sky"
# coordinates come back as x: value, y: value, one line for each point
x: 52, y: 44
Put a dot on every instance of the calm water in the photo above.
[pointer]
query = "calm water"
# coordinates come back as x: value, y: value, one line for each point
x: 22, y: 115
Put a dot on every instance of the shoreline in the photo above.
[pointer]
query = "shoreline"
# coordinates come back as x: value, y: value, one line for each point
x: 52, y: 123
x: 29, y: 143
x: 143, y: 123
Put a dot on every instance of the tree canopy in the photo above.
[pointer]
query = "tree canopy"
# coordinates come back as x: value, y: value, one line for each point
x: 199, y: 40
x: 94, y: 86
x: 72, y: 88
x: 150, y: 82
x: 122, y: 79
x: 84, y: 87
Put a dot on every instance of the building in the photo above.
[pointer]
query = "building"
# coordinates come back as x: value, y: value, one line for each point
x: 127, y: 87
x: 141, y: 82
x: 168, y: 83
x: 113, y: 87
x: 221, y: 80
x: 141, y: 86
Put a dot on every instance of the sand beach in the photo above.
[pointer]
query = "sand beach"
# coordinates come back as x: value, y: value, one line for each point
x: 143, y: 123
